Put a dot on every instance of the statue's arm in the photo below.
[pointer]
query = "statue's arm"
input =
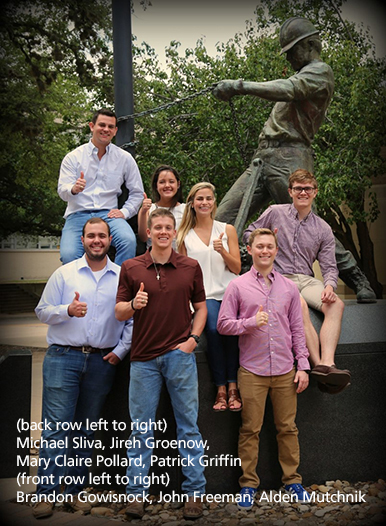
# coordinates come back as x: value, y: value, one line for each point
x: 274, y: 90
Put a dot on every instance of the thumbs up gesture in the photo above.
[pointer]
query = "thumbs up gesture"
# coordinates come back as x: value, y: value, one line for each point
x: 79, y: 185
x: 141, y: 298
x: 146, y: 203
x: 261, y: 317
x: 77, y: 308
x: 217, y: 243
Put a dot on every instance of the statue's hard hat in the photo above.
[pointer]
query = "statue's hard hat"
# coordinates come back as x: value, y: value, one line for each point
x: 293, y: 30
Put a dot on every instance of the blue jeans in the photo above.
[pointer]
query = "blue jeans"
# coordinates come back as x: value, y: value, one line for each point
x: 75, y: 386
x: 71, y: 245
x: 179, y: 370
x: 222, y: 351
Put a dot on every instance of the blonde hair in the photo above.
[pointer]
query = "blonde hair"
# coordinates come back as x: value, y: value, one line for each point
x: 261, y: 232
x: 189, y: 217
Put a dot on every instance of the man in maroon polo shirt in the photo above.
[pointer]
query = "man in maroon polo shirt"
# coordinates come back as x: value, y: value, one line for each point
x: 157, y: 289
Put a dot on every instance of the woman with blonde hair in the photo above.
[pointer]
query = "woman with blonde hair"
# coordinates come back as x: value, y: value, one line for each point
x: 215, y: 246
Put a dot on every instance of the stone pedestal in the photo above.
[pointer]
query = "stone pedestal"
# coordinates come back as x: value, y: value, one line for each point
x: 341, y: 436
x: 15, y: 396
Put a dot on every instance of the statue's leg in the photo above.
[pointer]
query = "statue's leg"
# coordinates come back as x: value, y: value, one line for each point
x: 278, y: 164
x: 229, y: 207
x: 272, y: 184
x: 352, y: 275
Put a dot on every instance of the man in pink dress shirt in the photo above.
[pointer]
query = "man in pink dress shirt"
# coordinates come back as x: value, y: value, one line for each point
x: 263, y: 309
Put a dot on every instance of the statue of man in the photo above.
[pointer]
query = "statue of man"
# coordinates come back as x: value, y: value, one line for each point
x: 285, y: 142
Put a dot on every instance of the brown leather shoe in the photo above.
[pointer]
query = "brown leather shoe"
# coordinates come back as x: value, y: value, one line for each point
x: 331, y: 375
x: 42, y: 509
x: 79, y: 505
x: 135, y: 509
x: 193, y: 509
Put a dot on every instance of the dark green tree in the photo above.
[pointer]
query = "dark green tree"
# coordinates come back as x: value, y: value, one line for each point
x: 54, y: 58
x: 198, y: 136
x: 56, y: 67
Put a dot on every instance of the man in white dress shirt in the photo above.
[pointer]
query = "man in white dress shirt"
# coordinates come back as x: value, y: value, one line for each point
x: 90, y: 181
x: 86, y: 341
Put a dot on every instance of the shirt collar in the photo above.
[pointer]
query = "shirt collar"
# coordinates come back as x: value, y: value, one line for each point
x: 172, y: 260
x: 91, y: 148
x: 82, y: 263
x: 295, y: 214
x: 256, y: 275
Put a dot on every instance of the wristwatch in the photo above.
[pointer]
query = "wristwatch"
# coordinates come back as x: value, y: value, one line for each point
x: 195, y: 337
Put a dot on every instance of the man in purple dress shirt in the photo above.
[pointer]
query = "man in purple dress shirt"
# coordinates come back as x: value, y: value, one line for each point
x: 263, y: 309
x: 304, y: 238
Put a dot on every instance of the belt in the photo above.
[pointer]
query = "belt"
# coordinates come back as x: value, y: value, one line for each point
x: 274, y: 143
x: 87, y: 349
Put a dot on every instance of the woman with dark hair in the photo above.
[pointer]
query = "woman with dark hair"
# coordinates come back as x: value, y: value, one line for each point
x: 166, y: 193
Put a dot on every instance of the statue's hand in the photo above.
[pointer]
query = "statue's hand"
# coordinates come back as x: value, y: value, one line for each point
x: 226, y: 89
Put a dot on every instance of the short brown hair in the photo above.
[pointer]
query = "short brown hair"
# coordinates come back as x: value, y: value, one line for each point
x: 302, y: 176
x: 160, y: 212
x: 106, y: 112
x: 94, y: 221
x: 261, y: 232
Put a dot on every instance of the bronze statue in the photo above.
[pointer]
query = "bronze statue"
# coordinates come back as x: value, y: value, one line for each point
x: 285, y: 142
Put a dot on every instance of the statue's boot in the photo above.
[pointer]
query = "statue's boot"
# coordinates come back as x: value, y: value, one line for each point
x: 352, y: 275
x: 357, y: 281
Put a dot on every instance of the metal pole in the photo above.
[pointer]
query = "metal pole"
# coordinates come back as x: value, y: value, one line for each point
x: 123, y: 72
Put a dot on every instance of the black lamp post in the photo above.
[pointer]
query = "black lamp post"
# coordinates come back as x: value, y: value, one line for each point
x: 123, y: 72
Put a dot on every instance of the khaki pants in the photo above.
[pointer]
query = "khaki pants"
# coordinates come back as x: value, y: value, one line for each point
x: 282, y: 390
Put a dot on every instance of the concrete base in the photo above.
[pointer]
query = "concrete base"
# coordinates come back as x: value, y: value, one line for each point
x: 15, y: 396
x: 341, y: 436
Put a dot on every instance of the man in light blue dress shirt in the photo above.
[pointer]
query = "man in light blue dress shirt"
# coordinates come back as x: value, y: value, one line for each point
x: 86, y: 341
x: 90, y: 181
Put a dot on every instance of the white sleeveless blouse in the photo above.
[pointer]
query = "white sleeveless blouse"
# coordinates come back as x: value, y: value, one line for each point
x: 216, y: 274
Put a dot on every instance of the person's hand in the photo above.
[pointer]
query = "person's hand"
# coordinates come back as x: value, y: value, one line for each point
x: 112, y: 358
x: 146, y: 204
x: 302, y: 379
x: 141, y: 298
x: 217, y: 244
x: 77, y: 308
x: 226, y: 89
x: 188, y: 346
x: 79, y: 185
x: 115, y: 213
x: 261, y: 317
x: 328, y: 295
